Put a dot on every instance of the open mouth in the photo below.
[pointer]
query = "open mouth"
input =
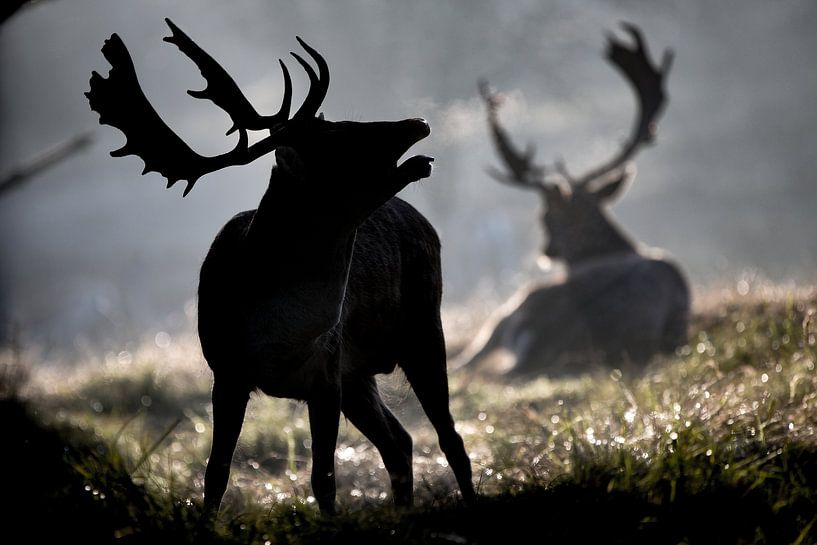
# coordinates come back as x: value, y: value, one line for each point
x: 418, y: 166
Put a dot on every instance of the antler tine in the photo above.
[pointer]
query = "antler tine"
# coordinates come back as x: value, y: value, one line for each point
x: 647, y: 81
x: 522, y: 171
x: 318, y: 84
x: 221, y: 89
x: 286, y: 102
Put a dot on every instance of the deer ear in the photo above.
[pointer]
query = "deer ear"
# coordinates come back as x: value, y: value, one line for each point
x: 613, y: 185
x: 556, y: 189
x: 289, y: 162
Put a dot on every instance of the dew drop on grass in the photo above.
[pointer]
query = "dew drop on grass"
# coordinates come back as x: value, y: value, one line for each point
x: 346, y: 454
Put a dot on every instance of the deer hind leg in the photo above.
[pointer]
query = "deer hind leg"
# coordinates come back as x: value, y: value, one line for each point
x: 424, y: 363
x: 366, y: 410
x: 229, y: 405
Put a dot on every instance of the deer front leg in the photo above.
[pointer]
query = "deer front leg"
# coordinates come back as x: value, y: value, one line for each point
x: 229, y: 405
x: 324, y: 419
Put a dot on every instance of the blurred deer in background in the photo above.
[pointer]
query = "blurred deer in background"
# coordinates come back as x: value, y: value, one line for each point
x: 618, y: 303
x: 330, y: 281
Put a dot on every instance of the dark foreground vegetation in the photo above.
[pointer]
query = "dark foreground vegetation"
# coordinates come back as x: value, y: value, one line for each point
x: 715, y: 445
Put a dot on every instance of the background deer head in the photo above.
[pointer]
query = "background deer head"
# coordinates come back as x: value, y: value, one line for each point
x: 574, y: 217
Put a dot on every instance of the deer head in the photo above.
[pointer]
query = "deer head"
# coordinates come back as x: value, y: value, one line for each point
x: 574, y: 217
x: 317, y: 149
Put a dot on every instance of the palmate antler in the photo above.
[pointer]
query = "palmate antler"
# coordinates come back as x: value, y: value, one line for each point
x: 523, y: 171
x: 647, y: 81
x: 121, y: 103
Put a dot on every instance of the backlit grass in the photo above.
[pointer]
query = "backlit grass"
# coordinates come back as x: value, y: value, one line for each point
x: 714, y: 445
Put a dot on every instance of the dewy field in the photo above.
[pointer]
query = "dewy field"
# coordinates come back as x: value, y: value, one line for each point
x: 714, y: 445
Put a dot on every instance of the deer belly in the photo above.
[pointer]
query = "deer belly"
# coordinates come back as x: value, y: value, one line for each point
x: 293, y: 380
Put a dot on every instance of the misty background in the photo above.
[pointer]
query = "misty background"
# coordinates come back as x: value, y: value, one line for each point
x: 92, y: 254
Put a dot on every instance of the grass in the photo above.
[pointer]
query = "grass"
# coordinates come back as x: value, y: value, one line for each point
x: 714, y: 445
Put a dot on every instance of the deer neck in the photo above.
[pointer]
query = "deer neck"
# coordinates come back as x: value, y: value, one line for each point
x: 302, y: 268
x: 599, y: 240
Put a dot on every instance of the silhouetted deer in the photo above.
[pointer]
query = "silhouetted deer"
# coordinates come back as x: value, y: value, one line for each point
x: 618, y: 303
x: 330, y: 281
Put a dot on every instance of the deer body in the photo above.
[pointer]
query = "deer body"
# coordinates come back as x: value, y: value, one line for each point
x: 277, y: 324
x: 615, y: 310
x: 331, y: 280
x: 616, y: 303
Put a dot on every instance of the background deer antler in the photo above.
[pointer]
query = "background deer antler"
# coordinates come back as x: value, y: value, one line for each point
x: 522, y: 170
x: 647, y: 81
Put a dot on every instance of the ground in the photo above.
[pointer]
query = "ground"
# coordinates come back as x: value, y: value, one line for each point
x: 713, y: 445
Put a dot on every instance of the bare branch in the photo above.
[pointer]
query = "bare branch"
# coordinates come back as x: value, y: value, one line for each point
x: 43, y: 161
